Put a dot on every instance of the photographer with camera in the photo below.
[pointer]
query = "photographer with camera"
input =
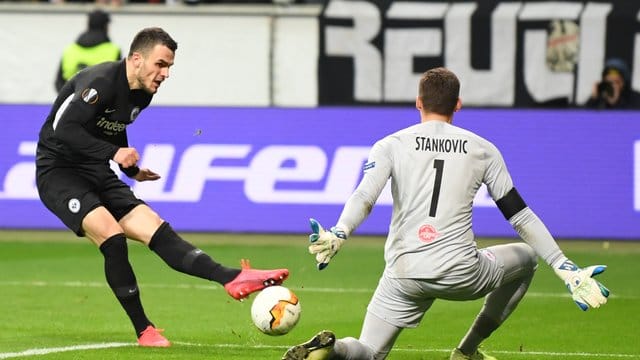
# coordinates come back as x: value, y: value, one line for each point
x: 614, y: 91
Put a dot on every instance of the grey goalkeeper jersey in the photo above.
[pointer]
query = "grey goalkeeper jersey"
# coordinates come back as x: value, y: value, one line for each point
x: 436, y: 169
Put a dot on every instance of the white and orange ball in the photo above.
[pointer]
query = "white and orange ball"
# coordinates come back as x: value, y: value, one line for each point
x: 275, y: 310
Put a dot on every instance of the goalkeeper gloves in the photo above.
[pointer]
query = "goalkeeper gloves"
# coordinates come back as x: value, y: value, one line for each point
x: 585, y: 291
x: 325, y: 244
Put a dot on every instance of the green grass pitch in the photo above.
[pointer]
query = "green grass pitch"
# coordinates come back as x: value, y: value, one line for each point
x: 55, y: 303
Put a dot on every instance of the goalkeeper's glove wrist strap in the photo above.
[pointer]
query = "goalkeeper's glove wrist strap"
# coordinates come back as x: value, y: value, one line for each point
x: 339, y: 232
x: 566, y: 269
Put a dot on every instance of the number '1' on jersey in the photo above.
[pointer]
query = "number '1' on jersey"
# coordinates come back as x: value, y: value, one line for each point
x: 436, y: 170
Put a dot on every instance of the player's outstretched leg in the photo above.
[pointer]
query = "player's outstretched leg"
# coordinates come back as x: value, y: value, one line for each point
x: 318, y: 348
x: 151, y: 337
x: 456, y: 354
x: 251, y: 280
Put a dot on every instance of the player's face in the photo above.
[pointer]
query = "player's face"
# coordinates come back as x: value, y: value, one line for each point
x: 153, y: 68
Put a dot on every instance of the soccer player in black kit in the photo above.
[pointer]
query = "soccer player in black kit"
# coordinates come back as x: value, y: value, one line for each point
x: 85, y: 129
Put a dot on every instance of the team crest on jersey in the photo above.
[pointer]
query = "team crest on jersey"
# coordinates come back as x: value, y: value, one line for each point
x: 427, y: 233
x: 369, y: 165
x: 134, y: 113
x: 74, y: 205
x: 90, y: 96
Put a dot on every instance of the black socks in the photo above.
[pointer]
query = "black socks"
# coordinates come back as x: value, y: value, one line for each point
x: 186, y: 258
x: 122, y: 280
x: 176, y: 252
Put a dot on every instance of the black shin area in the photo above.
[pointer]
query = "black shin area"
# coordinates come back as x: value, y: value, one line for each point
x: 122, y: 280
x: 484, y: 326
x: 186, y: 258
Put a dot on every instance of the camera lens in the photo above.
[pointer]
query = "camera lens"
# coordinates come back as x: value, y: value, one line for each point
x: 605, y: 88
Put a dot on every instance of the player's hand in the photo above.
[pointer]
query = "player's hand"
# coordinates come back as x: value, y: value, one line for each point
x: 325, y: 244
x: 145, y: 174
x: 126, y: 157
x: 585, y: 291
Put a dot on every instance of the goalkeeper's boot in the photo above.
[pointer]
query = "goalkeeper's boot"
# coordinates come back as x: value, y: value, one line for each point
x: 318, y: 348
x: 456, y: 354
x: 151, y: 337
x: 251, y: 280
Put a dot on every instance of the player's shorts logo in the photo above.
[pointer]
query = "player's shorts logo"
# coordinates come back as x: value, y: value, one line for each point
x: 74, y: 205
x: 427, y: 233
x: 90, y: 96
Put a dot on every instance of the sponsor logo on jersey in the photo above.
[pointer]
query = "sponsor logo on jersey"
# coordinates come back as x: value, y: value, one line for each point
x: 74, y: 205
x: 109, y: 111
x: 110, y: 127
x: 427, y: 233
x: 90, y: 96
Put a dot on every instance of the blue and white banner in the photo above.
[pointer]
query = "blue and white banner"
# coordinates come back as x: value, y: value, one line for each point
x: 269, y: 170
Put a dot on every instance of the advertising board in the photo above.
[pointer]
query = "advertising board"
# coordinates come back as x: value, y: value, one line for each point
x: 270, y: 170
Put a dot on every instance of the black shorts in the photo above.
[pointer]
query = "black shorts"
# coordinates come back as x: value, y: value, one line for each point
x: 71, y: 193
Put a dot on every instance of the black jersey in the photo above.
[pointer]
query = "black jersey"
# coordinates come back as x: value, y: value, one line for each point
x: 87, y: 123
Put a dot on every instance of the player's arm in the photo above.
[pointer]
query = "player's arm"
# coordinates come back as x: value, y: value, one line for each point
x: 325, y: 244
x: 586, y: 292
x: 75, y: 112
x: 127, y: 159
x: 377, y: 171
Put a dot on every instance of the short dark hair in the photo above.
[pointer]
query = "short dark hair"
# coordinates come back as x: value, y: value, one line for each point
x: 147, y: 38
x: 439, y: 91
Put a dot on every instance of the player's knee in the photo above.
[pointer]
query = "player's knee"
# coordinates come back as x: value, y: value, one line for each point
x: 141, y: 223
x: 528, y: 256
x: 149, y: 214
x: 99, y: 225
x: 101, y: 235
x: 164, y: 235
x: 114, y: 246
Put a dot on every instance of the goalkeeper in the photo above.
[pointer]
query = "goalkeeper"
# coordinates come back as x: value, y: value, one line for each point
x: 436, y: 169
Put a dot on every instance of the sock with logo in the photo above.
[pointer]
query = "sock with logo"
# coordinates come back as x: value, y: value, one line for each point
x: 186, y: 258
x: 122, y: 280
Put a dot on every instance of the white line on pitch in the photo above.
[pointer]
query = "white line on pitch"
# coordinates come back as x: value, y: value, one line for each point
x: 417, y: 350
x: 45, y: 351
x: 212, y: 286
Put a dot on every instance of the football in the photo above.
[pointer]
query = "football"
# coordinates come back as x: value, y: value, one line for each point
x: 275, y: 310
